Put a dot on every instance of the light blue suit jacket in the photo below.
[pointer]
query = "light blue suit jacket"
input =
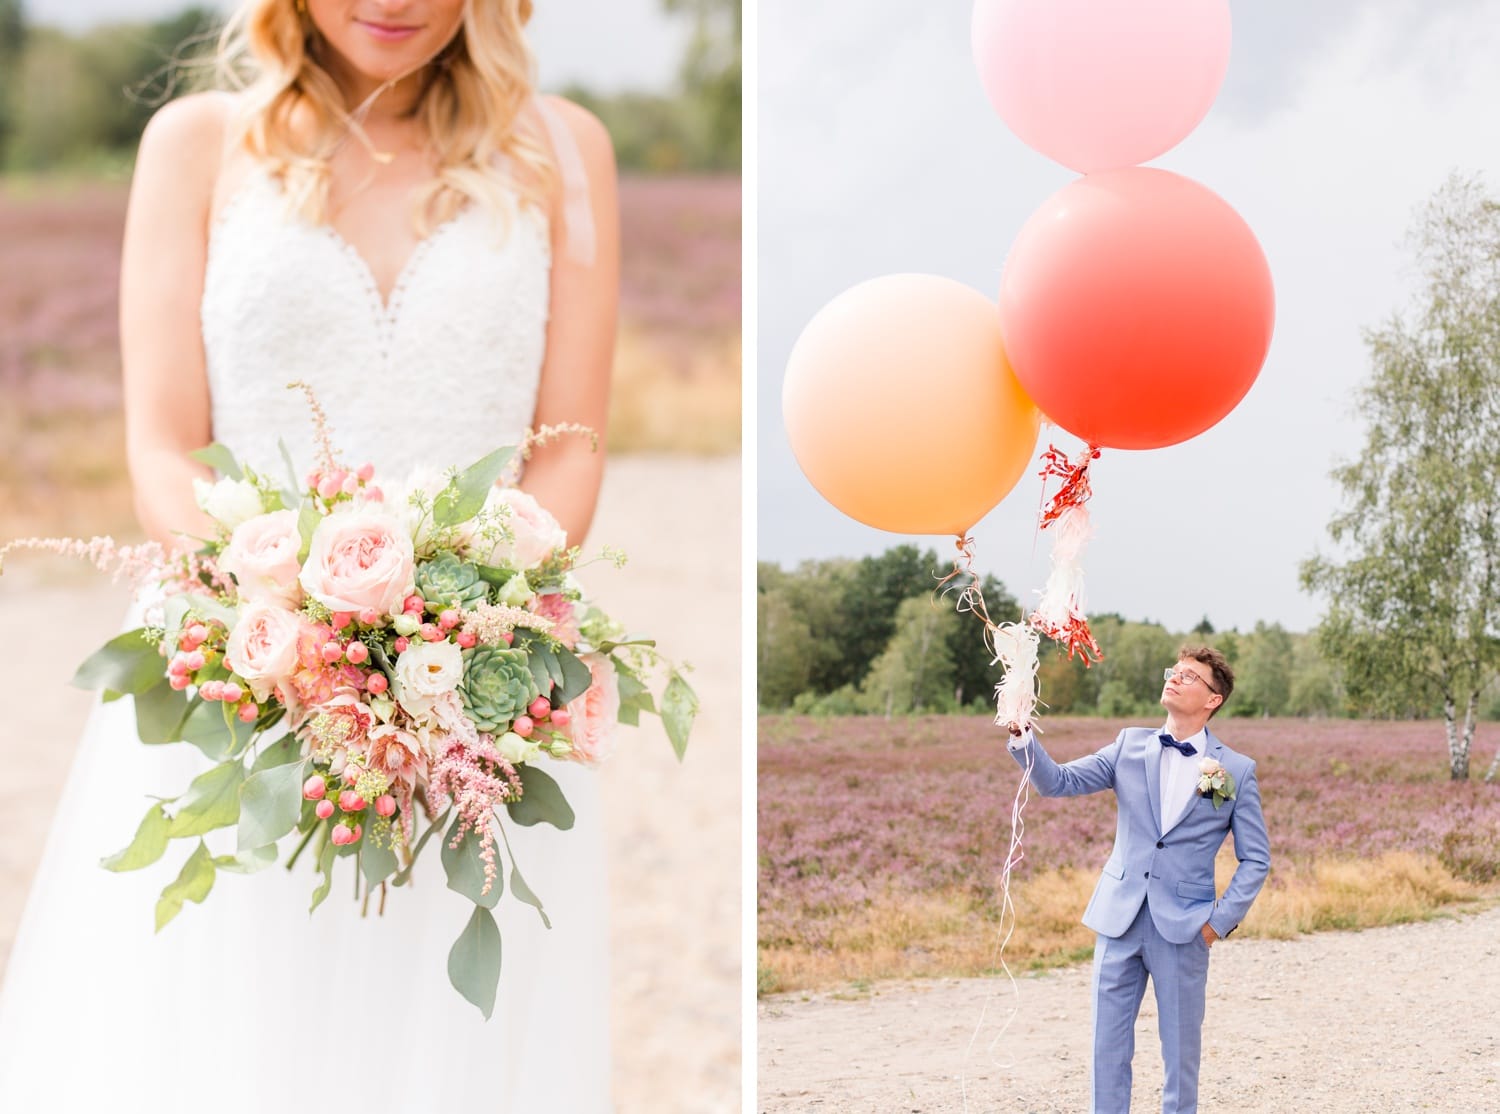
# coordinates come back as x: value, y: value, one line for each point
x: 1173, y: 868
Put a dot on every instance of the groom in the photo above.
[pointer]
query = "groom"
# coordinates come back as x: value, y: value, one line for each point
x: 1154, y: 908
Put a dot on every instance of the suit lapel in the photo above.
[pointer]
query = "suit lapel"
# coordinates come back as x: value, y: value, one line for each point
x: 1153, y: 776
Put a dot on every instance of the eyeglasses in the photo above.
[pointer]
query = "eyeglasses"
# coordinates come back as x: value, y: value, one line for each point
x: 1185, y: 677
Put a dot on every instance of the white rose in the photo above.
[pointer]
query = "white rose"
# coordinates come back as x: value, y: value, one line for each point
x: 228, y: 501
x: 534, y: 534
x: 426, y: 671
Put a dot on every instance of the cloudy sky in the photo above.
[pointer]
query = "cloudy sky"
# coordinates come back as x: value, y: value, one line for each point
x: 605, y: 44
x: 879, y: 153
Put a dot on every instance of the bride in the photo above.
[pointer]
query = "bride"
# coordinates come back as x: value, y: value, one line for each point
x: 386, y: 210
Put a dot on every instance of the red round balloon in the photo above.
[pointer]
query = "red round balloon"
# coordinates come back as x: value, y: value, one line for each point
x: 1137, y: 308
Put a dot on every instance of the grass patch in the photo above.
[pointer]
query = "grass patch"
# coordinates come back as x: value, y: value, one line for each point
x: 900, y: 935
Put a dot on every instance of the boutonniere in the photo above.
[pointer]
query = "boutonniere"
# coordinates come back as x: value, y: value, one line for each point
x: 1214, y: 779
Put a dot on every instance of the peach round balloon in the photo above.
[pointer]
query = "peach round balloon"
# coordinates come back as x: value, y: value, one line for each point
x: 1101, y: 84
x: 1137, y: 308
x: 901, y: 408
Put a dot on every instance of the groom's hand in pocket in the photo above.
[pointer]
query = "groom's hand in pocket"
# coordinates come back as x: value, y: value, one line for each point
x: 1209, y: 935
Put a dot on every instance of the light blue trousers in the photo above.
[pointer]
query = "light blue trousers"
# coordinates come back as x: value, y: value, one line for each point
x: 1179, y: 974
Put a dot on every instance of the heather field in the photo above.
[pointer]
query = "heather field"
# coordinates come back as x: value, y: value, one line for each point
x: 677, y: 381
x: 881, y: 843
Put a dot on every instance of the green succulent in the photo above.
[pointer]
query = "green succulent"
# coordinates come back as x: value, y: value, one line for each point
x: 445, y: 579
x: 497, y: 686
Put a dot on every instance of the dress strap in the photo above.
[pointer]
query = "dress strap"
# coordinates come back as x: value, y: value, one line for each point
x: 578, y: 213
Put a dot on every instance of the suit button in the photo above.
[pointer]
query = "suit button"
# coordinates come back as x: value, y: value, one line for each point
x: 1159, y: 845
x: 1148, y: 874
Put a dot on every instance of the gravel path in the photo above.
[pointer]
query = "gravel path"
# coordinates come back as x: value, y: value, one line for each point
x: 1389, y: 1019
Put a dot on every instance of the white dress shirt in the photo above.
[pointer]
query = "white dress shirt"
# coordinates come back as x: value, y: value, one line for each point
x: 1179, y: 776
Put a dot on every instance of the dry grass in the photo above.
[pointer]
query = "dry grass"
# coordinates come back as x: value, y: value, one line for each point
x: 948, y: 933
x: 667, y: 400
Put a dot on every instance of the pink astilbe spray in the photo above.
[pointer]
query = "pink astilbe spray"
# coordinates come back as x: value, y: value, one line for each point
x: 140, y: 565
x: 542, y: 436
x: 327, y: 457
x: 478, y: 780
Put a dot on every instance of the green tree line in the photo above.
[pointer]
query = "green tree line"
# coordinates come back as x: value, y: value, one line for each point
x: 79, y: 101
x: 872, y: 636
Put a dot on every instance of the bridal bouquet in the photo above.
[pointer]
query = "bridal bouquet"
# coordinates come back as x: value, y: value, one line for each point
x: 424, y: 656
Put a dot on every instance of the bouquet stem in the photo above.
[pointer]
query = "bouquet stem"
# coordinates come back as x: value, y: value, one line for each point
x: 295, y: 854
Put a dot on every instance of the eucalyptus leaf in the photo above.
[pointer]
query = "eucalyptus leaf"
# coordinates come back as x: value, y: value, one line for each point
x: 498, y: 575
x: 149, y: 844
x: 291, y: 471
x: 465, y: 494
x: 326, y: 854
x: 127, y: 663
x: 608, y: 646
x: 308, y: 517
x: 206, y: 607
x: 160, y: 713
x: 474, y: 961
x: 679, y: 706
x: 204, y: 727
x: 220, y: 459
x: 277, y: 753
x: 212, y: 801
x: 542, y: 801
x: 465, y: 868
x: 193, y: 884
x: 247, y: 862
x: 576, y: 677
x: 376, y: 863
x: 270, y: 804
x: 524, y: 892
x: 405, y: 874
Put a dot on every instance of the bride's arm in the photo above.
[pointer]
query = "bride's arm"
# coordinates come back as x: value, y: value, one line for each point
x: 161, y: 284
x: 565, y: 475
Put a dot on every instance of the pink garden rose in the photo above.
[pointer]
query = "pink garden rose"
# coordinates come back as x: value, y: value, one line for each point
x: 563, y: 614
x: 595, y: 714
x: 535, y: 533
x: 359, y: 559
x: 262, y: 555
x: 262, y: 648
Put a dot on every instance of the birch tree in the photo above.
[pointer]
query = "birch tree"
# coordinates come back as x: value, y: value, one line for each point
x: 1412, y: 596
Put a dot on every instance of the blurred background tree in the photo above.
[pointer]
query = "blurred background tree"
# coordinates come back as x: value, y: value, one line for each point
x: 1414, y: 597
x: 78, y: 100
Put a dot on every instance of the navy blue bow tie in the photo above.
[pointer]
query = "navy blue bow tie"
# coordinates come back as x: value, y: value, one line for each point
x: 1168, y: 741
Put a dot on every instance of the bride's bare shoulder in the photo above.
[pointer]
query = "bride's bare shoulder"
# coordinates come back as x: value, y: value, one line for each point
x: 586, y: 130
x: 182, y: 151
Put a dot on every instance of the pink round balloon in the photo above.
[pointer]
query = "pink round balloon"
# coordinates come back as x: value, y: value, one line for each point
x: 1101, y: 84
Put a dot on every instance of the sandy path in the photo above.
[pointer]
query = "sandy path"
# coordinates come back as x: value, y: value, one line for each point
x: 1390, y: 1019
x: 674, y: 828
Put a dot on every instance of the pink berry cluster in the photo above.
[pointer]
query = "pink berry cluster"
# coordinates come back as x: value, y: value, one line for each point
x: 337, y: 484
x: 337, y: 652
x: 351, y: 807
x: 200, y: 649
x: 538, y: 712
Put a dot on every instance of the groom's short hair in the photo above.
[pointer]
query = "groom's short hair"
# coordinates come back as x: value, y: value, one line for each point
x: 1218, y: 663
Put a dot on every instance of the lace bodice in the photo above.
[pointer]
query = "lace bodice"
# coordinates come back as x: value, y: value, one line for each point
x: 443, y: 373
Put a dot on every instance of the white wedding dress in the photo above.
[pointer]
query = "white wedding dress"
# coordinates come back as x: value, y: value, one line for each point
x: 246, y: 1003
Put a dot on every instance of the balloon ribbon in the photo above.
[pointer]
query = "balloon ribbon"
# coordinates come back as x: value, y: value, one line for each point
x: 1060, y: 615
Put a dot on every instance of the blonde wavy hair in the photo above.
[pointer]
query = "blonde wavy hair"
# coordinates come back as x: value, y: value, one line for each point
x: 471, y: 104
